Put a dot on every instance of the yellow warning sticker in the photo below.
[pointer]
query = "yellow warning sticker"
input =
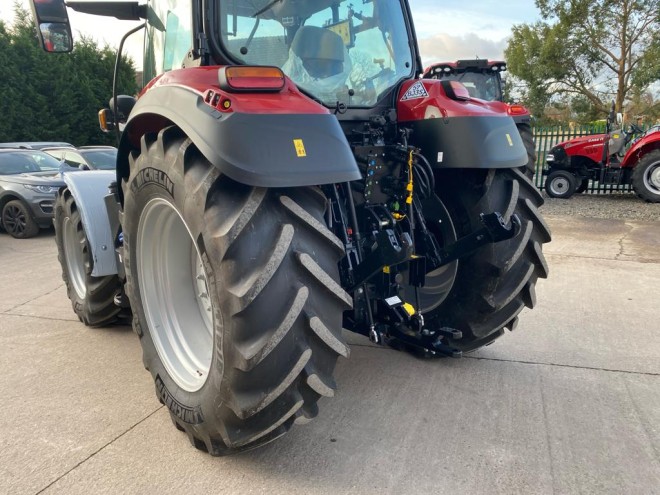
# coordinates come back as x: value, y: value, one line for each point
x: 508, y: 137
x: 300, y: 147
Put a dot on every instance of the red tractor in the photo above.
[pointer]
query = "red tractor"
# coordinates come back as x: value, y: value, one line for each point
x: 603, y: 158
x: 283, y: 175
x: 483, y: 80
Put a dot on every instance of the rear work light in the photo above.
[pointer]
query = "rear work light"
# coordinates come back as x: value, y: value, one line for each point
x: 241, y: 78
x: 455, y: 90
x: 516, y: 110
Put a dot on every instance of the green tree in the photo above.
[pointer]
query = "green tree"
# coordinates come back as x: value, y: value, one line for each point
x: 593, y: 51
x: 55, y: 96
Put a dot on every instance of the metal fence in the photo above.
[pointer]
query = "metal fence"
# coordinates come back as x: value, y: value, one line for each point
x: 547, y: 137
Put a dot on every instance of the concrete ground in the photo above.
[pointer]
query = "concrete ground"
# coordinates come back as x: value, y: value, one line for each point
x: 568, y: 403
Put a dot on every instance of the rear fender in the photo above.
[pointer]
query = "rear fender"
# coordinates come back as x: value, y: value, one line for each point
x: 640, y: 148
x: 89, y: 190
x: 265, y: 140
x: 459, y: 133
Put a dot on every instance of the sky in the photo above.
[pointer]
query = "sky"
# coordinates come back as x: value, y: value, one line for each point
x: 446, y: 30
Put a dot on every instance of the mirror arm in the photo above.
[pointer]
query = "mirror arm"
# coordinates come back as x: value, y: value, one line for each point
x: 115, y: 76
x: 126, y: 11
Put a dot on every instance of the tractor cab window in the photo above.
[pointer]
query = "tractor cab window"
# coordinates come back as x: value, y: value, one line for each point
x: 482, y: 85
x: 169, y: 36
x: 336, y: 51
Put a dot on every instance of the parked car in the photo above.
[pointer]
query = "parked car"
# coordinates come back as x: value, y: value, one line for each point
x: 29, y: 181
x: 36, y: 145
x: 86, y: 157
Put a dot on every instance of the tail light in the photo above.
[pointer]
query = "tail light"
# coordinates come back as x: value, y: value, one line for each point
x: 251, y: 79
x: 516, y: 110
x: 456, y: 90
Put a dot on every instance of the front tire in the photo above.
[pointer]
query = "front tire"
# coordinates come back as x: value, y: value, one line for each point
x: 92, y: 298
x: 493, y: 285
x: 235, y: 296
x: 646, y: 177
x: 560, y: 184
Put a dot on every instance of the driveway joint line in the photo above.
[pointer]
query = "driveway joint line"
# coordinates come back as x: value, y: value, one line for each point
x: 99, y: 450
x: 37, y: 317
x: 560, y: 365
x: 33, y: 299
x: 518, y: 361
x: 600, y: 258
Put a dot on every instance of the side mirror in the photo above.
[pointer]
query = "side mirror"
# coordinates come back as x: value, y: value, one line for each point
x: 106, y: 120
x: 125, y: 104
x: 53, y: 26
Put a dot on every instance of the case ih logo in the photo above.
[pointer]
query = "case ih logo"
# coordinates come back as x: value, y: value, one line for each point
x: 415, y: 91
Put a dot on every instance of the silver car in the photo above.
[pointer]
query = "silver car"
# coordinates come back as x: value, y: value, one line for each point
x: 86, y: 157
x: 29, y: 181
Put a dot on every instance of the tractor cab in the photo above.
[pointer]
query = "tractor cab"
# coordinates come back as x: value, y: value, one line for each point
x: 481, y: 77
x: 334, y: 52
x: 339, y: 53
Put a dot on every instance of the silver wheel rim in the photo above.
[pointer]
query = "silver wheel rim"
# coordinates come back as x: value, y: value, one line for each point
x: 652, y: 178
x: 75, y: 263
x: 559, y: 185
x: 174, y: 294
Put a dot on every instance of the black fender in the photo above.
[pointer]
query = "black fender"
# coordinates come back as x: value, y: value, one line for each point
x: 263, y: 150
x: 474, y: 141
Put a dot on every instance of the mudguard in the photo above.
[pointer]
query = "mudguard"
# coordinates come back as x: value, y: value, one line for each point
x: 89, y: 190
x: 268, y: 149
x: 454, y: 133
x: 641, y: 147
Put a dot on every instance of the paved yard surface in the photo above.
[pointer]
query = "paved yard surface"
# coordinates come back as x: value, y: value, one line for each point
x: 568, y: 403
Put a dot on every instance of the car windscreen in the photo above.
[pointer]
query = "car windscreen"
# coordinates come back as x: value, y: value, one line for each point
x: 101, y: 159
x: 21, y: 162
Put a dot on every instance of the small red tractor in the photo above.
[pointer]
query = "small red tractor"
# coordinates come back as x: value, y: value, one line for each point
x: 603, y: 158
x: 483, y: 80
x: 284, y: 174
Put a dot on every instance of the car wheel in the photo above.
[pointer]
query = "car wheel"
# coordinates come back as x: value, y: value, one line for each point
x: 17, y: 220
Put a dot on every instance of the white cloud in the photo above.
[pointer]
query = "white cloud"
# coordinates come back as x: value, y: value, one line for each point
x: 459, y: 23
x: 446, y: 48
x: 446, y: 31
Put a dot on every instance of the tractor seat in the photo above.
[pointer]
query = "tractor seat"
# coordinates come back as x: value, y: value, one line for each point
x: 321, y: 51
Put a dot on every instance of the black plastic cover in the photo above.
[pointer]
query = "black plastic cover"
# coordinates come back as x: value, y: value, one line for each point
x: 264, y: 150
x: 470, y: 142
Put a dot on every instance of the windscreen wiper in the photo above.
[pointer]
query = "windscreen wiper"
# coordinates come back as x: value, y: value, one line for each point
x: 267, y: 7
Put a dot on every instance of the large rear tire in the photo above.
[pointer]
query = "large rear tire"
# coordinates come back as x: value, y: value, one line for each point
x: 493, y: 285
x: 646, y: 177
x: 235, y: 296
x: 92, y: 298
x: 582, y: 186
